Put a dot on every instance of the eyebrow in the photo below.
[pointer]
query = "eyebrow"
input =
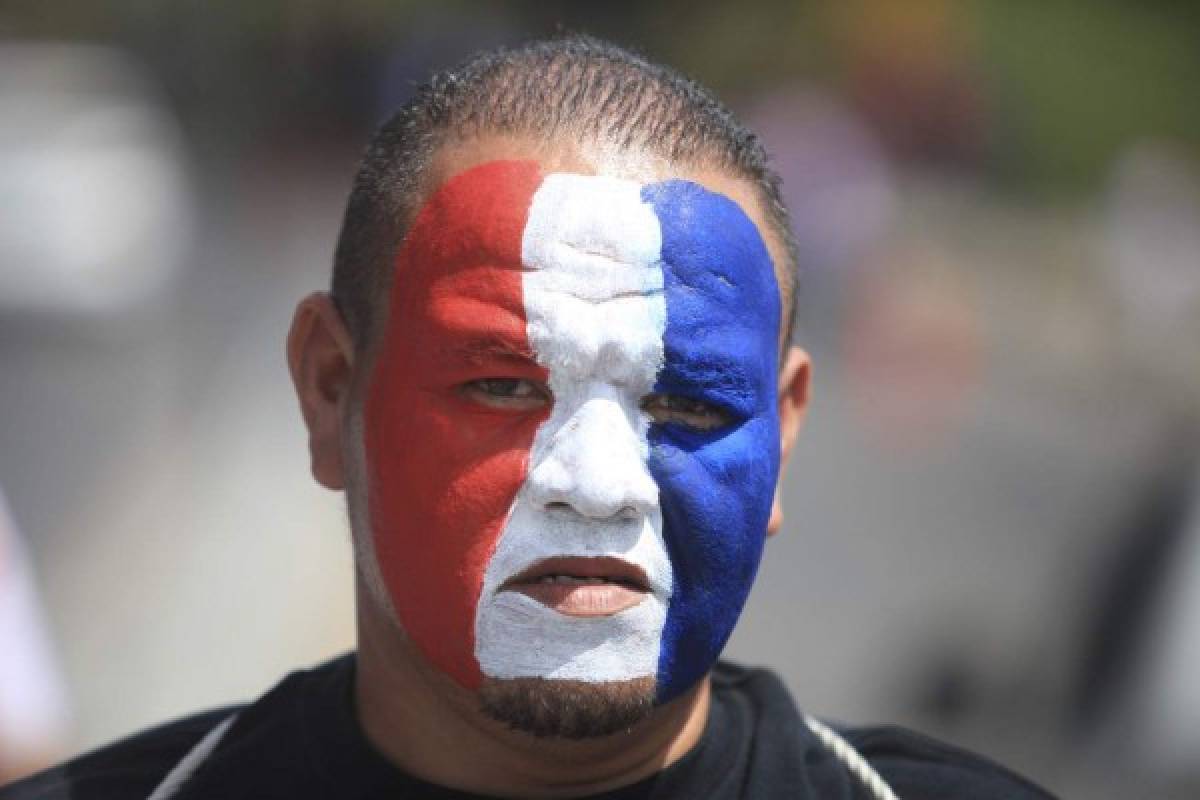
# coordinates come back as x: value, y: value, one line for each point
x: 715, y: 371
x: 491, y: 348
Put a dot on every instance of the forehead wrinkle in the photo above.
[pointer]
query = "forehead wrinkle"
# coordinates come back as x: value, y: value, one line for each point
x: 587, y: 223
x: 586, y: 256
x: 599, y: 299
x: 601, y: 344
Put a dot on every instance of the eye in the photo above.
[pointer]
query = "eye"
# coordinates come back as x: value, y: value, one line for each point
x: 685, y: 411
x: 514, y: 394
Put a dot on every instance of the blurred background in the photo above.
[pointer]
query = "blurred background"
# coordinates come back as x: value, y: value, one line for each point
x: 993, y: 528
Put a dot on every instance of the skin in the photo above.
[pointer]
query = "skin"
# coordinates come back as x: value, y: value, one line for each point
x: 413, y: 714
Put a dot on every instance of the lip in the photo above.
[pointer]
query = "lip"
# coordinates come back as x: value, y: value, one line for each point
x: 593, y: 587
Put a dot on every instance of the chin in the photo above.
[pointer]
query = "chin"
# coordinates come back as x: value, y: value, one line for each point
x: 568, y: 709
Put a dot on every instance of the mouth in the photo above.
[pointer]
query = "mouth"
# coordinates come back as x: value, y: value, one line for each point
x: 582, y: 587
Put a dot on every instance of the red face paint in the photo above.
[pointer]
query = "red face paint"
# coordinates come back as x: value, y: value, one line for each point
x: 443, y: 470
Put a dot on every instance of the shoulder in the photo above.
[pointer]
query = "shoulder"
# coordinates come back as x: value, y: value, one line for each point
x: 129, y: 768
x: 133, y: 767
x: 918, y: 767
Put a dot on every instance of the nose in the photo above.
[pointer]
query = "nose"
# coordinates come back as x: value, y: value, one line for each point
x: 594, y: 465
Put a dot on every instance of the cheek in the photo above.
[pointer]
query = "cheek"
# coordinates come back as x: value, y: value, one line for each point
x: 442, y: 478
x: 716, y: 501
x: 441, y: 485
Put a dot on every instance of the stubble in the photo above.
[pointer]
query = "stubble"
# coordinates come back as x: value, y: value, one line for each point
x: 568, y: 709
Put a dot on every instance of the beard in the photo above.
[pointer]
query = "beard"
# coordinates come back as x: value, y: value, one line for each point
x: 568, y: 709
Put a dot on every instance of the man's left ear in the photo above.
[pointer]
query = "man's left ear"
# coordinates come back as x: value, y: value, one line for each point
x: 793, y: 406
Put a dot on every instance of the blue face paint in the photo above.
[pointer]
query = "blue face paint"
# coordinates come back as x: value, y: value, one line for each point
x: 721, y: 347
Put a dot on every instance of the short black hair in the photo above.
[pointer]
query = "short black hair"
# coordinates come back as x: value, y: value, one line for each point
x: 573, y: 86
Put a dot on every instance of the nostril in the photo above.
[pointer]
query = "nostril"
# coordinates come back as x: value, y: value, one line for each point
x: 600, y: 476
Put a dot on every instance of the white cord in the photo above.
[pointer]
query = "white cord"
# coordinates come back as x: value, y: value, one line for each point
x: 188, y: 764
x: 851, y: 758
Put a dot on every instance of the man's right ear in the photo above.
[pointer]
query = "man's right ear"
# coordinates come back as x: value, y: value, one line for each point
x: 320, y: 354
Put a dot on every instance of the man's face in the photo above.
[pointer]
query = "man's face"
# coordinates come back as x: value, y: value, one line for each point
x: 571, y: 428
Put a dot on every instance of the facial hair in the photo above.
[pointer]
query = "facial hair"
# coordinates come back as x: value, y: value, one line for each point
x: 567, y: 709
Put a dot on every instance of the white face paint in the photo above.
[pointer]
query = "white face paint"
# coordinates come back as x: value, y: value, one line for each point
x: 595, y: 314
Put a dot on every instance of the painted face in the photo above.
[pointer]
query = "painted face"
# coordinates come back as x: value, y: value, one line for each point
x: 571, y: 429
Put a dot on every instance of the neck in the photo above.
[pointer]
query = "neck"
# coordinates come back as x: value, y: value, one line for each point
x: 433, y: 729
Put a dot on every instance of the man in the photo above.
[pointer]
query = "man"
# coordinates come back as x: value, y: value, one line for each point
x: 554, y: 378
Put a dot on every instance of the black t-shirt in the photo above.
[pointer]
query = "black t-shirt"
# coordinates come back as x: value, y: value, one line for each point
x: 302, y: 740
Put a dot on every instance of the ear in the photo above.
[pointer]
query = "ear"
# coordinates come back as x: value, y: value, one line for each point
x: 793, y: 406
x: 320, y: 356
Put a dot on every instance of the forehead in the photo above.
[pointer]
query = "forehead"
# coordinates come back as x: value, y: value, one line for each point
x: 595, y: 241
x: 456, y: 157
